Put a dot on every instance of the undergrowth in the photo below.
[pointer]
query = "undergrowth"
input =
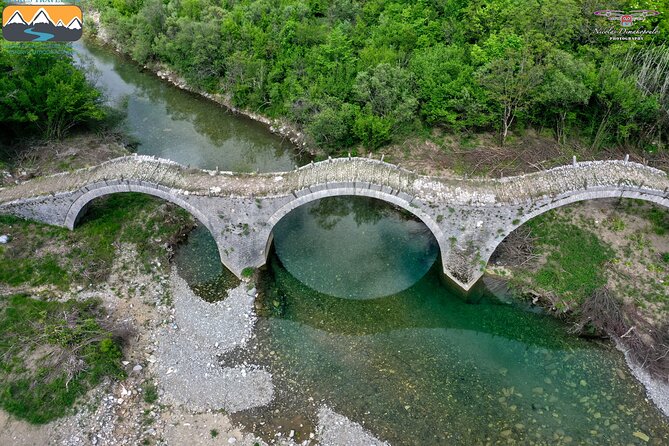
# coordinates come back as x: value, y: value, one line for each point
x: 576, y: 258
x: 52, y: 353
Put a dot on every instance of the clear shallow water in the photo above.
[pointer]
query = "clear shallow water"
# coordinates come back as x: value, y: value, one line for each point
x: 198, y: 262
x: 174, y: 124
x: 425, y: 365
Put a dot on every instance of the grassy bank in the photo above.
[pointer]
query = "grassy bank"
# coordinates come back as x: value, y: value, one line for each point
x: 573, y: 260
x: 30, y: 158
x: 54, y: 350
x: 41, y: 255
x: 603, y: 266
x: 52, y: 353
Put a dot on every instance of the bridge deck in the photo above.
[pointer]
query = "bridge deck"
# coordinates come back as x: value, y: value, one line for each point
x: 484, y: 191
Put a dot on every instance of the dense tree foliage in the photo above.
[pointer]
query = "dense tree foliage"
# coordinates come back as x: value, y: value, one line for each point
x: 353, y: 71
x: 42, y: 92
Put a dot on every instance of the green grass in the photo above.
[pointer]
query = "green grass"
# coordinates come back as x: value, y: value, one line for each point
x: 576, y: 258
x: 38, y: 271
x: 53, y: 352
x: 659, y: 219
x: 38, y: 254
x: 150, y: 393
x: 19, y: 263
x: 248, y: 272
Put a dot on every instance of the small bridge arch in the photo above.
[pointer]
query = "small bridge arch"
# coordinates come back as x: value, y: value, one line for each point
x: 98, y: 190
x: 102, y: 189
x: 575, y: 197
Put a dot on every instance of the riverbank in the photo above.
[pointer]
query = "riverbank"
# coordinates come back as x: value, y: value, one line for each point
x: 560, y: 260
x: 175, y: 391
x: 29, y: 159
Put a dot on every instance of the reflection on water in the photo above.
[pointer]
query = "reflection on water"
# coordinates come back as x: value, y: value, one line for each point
x: 171, y: 123
x: 384, y: 252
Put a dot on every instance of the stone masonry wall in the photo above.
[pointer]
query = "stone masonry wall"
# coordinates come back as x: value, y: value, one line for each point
x: 468, y: 217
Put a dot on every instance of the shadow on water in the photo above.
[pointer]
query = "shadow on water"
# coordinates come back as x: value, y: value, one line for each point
x: 354, y: 247
x: 429, y: 303
x: 198, y: 262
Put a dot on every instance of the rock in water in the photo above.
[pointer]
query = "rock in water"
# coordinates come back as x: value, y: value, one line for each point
x: 641, y: 436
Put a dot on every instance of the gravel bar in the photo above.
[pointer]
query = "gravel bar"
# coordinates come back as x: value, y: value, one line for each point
x: 187, y: 367
x: 337, y: 430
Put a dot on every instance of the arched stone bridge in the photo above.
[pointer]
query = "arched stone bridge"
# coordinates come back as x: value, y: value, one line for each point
x: 468, y: 217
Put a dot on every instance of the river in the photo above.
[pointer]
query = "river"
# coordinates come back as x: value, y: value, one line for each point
x: 171, y: 123
x: 357, y: 317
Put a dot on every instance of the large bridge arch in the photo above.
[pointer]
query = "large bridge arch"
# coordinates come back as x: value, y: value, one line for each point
x: 575, y: 197
x: 413, y: 206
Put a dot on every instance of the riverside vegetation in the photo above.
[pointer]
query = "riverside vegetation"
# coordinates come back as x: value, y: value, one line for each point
x: 353, y: 73
x: 350, y: 74
x: 52, y: 353
x: 601, y: 266
x: 43, y: 94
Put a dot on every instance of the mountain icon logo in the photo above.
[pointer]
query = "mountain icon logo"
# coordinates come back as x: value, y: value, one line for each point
x: 48, y: 23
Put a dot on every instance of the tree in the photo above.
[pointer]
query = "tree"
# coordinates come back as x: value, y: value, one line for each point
x: 446, y: 88
x: 387, y: 91
x: 568, y: 83
x: 44, y: 93
x: 620, y: 107
x: 386, y: 96
x: 511, y: 82
x: 333, y: 126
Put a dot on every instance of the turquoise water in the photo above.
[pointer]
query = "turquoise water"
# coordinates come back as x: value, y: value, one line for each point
x: 311, y: 236
x: 425, y: 365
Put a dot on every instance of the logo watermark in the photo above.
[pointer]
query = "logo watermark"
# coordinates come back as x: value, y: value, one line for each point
x: 625, y: 22
x: 42, y: 23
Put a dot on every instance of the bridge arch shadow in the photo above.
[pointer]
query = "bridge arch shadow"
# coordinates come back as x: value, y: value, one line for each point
x: 353, y: 245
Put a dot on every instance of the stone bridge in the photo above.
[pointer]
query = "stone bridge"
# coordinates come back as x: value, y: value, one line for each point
x: 468, y: 217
